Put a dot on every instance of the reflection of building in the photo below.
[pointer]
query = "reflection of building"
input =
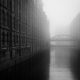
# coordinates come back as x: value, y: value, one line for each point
x: 23, y: 31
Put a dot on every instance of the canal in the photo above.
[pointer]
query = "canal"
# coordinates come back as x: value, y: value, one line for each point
x: 60, y: 60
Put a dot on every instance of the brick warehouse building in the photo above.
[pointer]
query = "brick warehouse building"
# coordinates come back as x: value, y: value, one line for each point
x: 24, y: 40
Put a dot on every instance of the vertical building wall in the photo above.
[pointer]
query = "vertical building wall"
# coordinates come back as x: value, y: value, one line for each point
x: 6, y: 30
x: 14, y: 42
x: 24, y: 34
x: 23, y: 28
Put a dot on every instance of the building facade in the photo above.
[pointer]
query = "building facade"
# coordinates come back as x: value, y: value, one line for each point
x: 24, y: 33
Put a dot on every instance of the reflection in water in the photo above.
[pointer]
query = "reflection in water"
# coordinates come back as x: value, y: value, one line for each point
x: 60, y: 62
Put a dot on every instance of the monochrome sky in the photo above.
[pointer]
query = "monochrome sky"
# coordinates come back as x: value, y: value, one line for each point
x: 60, y: 13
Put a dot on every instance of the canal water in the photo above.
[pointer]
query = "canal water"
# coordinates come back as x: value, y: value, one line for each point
x: 60, y: 62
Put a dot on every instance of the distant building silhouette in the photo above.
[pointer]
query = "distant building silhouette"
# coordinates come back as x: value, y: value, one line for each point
x: 75, y: 51
x: 75, y: 27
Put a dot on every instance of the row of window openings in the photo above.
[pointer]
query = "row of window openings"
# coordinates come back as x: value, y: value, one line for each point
x: 11, y: 5
x: 8, y: 23
x: 14, y: 52
x: 9, y: 20
x: 5, y: 39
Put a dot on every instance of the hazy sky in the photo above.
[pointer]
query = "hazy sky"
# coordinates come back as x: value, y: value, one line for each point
x: 60, y: 13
